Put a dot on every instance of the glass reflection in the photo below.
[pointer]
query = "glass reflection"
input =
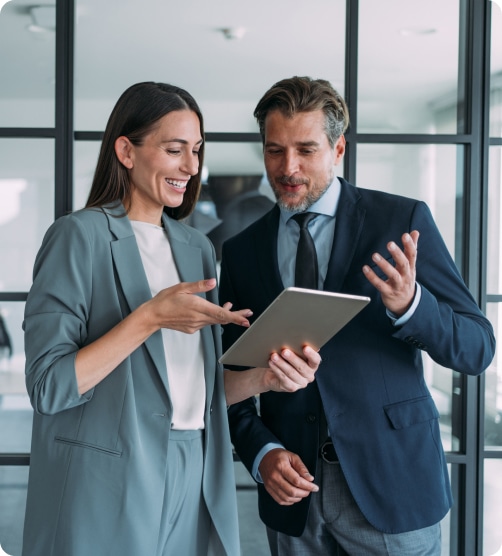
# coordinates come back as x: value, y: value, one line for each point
x: 492, y: 533
x: 27, y: 54
x: 15, y: 408
x: 493, y: 388
x: 496, y: 71
x: 226, y: 75
x: 238, y: 201
x: 449, y: 523
x: 84, y: 163
x: 235, y: 191
x: 408, y: 66
x: 27, y: 207
x: 493, y: 385
x: 431, y: 173
x: 13, y: 485
x: 494, y: 232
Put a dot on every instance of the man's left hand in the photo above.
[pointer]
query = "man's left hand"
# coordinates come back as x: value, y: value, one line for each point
x: 398, y: 290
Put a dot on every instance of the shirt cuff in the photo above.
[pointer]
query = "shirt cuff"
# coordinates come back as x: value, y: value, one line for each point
x: 400, y: 321
x: 257, y: 460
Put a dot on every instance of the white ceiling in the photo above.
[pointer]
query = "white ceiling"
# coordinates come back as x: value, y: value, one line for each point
x: 119, y: 42
x: 408, y: 57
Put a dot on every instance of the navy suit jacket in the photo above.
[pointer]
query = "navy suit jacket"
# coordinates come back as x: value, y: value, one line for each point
x: 380, y: 413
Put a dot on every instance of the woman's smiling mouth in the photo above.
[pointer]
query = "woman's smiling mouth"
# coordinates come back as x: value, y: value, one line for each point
x: 177, y: 184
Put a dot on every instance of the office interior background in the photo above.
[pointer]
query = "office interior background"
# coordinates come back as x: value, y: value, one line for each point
x: 423, y: 81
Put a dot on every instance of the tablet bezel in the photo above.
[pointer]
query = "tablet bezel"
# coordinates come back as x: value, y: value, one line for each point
x: 322, y: 315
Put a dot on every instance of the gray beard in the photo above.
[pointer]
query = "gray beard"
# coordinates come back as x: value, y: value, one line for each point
x: 305, y: 204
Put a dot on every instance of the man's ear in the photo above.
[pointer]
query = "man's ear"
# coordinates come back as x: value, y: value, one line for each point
x: 123, y: 150
x: 339, y: 149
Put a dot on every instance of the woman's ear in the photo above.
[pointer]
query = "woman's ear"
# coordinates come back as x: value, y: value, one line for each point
x: 123, y: 150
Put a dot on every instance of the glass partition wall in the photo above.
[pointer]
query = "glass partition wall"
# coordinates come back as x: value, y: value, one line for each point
x: 424, y: 88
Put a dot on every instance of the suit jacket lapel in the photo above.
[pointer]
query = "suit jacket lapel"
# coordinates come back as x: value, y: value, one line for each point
x: 348, y: 227
x: 188, y: 261
x: 133, y: 281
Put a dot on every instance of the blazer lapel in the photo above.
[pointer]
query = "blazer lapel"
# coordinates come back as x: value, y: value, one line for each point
x: 133, y: 280
x: 188, y: 261
x: 348, y: 227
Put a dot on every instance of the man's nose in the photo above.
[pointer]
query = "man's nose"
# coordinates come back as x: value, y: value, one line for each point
x: 290, y: 164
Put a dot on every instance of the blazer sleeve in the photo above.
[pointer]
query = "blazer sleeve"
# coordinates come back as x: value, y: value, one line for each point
x: 447, y: 323
x: 55, y: 317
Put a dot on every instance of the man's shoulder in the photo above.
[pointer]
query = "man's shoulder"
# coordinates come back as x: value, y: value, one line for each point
x: 376, y: 195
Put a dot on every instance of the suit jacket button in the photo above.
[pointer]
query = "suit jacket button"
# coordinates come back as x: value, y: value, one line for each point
x: 311, y: 418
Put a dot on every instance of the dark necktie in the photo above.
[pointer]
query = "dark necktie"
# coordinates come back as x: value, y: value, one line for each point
x: 306, y: 270
x: 306, y: 276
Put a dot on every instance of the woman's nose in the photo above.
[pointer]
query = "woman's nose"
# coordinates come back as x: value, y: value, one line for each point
x: 191, y: 164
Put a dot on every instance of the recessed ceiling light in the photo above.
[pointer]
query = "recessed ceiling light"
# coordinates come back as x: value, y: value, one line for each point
x: 417, y: 31
x: 233, y: 33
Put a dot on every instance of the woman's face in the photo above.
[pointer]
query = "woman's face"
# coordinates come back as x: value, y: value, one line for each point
x: 161, y: 166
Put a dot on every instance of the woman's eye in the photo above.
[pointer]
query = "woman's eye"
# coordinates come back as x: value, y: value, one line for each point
x: 173, y: 151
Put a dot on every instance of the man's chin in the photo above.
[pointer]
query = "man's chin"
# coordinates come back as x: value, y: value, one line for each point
x: 292, y: 203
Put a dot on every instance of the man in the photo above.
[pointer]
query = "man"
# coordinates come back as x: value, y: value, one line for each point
x: 367, y: 428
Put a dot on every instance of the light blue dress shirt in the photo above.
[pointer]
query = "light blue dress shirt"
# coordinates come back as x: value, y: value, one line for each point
x: 322, y: 230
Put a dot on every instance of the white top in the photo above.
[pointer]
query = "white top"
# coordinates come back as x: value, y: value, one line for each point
x: 183, y: 352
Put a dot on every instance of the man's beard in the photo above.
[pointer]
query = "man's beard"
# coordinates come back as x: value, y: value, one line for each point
x: 289, y: 201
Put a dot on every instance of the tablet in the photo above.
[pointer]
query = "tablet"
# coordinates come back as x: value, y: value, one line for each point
x: 296, y: 317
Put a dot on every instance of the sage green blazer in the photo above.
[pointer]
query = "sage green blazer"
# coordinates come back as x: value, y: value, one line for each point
x: 98, y: 460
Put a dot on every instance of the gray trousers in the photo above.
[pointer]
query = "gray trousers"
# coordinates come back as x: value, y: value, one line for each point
x: 336, y: 527
x: 185, y: 523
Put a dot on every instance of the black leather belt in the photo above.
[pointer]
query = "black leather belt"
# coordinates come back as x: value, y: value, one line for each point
x: 327, y: 452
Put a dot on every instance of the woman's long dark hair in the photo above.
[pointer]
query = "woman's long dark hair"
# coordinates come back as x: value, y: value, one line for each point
x: 135, y: 114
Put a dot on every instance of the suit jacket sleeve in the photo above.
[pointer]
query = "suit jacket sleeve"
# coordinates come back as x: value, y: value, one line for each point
x: 447, y: 323
x: 55, y: 317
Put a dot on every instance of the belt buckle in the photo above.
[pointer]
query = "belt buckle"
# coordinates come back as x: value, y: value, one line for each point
x: 328, y: 453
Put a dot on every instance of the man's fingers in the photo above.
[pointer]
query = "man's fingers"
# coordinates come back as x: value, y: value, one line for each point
x: 415, y: 234
x: 286, y: 478
x: 293, y: 372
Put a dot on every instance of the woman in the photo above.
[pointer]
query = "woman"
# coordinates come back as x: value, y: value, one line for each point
x: 130, y: 447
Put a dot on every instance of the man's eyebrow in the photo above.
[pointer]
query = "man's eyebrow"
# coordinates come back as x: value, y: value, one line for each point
x: 297, y: 144
x: 307, y: 144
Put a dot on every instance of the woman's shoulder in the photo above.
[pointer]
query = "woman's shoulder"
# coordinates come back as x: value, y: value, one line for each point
x: 191, y: 234
x: 88, y: 225
x: 82, y: 216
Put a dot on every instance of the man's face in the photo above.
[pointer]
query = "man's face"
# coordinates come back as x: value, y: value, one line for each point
x: 299, y: 160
